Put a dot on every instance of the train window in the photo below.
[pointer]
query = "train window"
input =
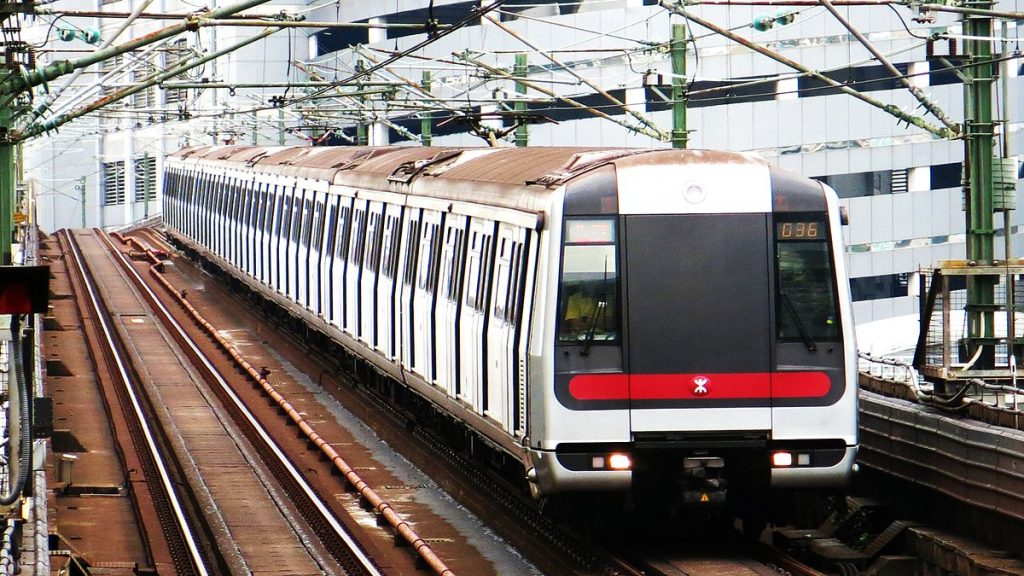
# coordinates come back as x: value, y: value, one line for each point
x: 806, y: 299
x: 318, y: 230
x: 485, y: 271
x: 332, y: 227
x: 501, y: 284
x: 277, y: 206
x: 453, y: 263
x: 373, y: 239
x: 472, y: 274
x: 307, y: 222
x: 286, y: 218
x: 358, y: 237
x: 412, y: 239
x: 516, y: 287
x: 427, y: 259
x: 345, y: 227
x: 389, y: 259
x: 296, y: 219
x: 589, y: 288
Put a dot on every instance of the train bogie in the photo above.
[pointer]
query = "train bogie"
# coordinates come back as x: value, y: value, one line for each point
x: 598, y: 315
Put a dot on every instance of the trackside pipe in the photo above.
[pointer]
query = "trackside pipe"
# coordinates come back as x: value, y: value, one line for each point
x: 382, y: 507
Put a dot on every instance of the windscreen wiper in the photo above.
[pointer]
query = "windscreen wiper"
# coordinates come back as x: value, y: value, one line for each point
x: 601, y: 306
x: 804, y: 333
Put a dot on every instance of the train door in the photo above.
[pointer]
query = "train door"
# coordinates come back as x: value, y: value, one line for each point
x: 232, y: 216
x: 698, y: 334
x: 219, y: 196
x: 275, y: 205
x: 285, y: 191
x: 424, y: 295
x: 343, y: 237
x: 501, y: 326
x: 227, y: 227
x: 406, y: 286
x: 251, y: 225
x: 260, y: 238
x: 327, y: 257
x: 302, y: 222
x: 354, y: 268
x: 386, y: 282
x: 370, y: 274
x: 449, y: 296
x: 473, y: 316
x: 316, y: 238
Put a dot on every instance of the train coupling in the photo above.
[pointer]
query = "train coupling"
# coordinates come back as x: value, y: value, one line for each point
x: 702, y: 481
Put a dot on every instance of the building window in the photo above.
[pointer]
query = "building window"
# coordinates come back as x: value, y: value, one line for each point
x: 176, y: 54
x: 145, y: 99
x: 113, y: 183
x: 145, y: 178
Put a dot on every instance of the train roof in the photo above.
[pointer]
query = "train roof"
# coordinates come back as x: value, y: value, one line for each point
x: 518, y: 178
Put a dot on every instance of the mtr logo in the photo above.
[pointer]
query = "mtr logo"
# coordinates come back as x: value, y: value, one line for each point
x: 700, y: 385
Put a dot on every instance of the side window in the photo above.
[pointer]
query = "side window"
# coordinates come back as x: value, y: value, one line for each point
x: 344, y: 231
x: 261, y: 217
x: 389, y: 258
x: 307, y: 222
x: 427, y: 260
x: 412, y: 241
x: 473, y: 270
x: 485, y: 271
x: 504, y: 280
x: 286, y: 218
x: 373, y: 239
x: 332, y: 227
x: 296, y: 228
x: 318, y: 223
x: 515, y: 298
x: 358, y: 237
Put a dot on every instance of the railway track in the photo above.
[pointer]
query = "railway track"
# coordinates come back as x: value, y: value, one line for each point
x: 160, y: 506
x: 243, y: 525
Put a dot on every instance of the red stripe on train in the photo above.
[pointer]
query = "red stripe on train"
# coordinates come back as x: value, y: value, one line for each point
x: 699, y: 386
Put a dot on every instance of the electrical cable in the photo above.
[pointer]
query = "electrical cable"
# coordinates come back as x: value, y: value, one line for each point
x: 25, y: 431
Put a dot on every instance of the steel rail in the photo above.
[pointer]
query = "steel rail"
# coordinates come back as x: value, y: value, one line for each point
x: 102, y: 319
x: 213, y: 373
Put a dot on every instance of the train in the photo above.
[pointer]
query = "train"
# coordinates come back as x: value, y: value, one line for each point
x: 610, y: 320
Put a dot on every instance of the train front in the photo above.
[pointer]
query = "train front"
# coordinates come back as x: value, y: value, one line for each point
x: 703, y: 340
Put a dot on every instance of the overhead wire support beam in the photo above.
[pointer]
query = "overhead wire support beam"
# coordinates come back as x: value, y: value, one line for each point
x: 970, y: 11
x: 31, y: 78
x: 658, y: 135
x: 941, y: 132
x: 928, y: 104
x: 40, y: 128
x: 652, y: 127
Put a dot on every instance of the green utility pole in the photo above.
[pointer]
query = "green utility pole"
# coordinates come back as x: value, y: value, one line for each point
x: 978, y: 128
x: 426, y: 123
x: 679, y: 85
x: 8, y: 188
x: 520, y: 71
x: 360, y: 126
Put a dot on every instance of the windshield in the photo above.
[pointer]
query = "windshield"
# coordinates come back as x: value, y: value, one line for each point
x: 589, y: 288
x: 806, y: 303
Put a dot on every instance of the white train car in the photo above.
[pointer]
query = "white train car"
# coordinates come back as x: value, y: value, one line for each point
x: 613, y: 320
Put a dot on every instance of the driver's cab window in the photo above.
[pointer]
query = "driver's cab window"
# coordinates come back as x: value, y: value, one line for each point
x: 589, y: 288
